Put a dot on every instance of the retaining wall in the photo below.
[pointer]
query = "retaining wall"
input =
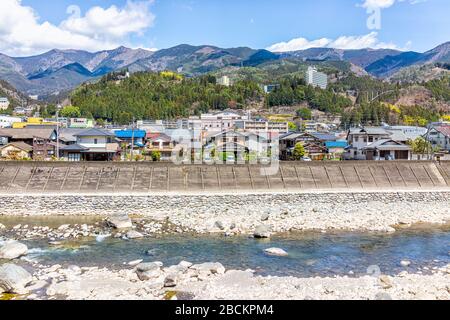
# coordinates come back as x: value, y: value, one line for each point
x: 147, y: 177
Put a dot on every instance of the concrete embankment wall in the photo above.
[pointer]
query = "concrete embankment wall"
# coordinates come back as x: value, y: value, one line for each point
x: 89, y: 177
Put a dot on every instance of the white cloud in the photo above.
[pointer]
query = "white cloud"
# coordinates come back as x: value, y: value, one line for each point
x: 22, y: 33
x: 344, y: 42
x: 383, y: 4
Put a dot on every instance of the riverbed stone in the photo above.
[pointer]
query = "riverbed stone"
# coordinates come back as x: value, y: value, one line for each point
x: 405, y: 263
x: 171, y: 281
x: 119, y: 221
x: 262, y: 231
x: 276, y: 252
x: 133, y: 234
x: 2, y: 227
x: 209, y: 268
x: 13, y: 250
x: 385, y: 282
x: 265, y: 216
x: 13, y: 279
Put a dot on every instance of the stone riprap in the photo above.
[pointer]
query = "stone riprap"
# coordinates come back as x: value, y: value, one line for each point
x: 242, y: 213
x: 148, y: 177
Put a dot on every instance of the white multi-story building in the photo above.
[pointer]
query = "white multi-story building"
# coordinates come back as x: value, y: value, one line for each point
x: 4, y: 103
x: 316, y: 78
x: 7, y: 121
x: 224, y: 81
x: 263, y: 126
x: 217, y: 122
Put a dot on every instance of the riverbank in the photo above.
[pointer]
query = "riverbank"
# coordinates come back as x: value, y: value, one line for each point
x: 186, y: 281
x: 243, y: 213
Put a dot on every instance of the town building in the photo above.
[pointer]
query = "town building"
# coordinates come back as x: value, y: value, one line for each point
x: 377, y: 143
x: 411, y: 132
x: 224, y: 81
x: 234, y: 146
x: 439, y: 136
x: 218, y: 121
x: 4, y: 103
x: 262, y: 126
x: 80, y: 123
x: 316, y: 78
x: 92, y: 145
x: 314, y: 144
x: 7, y: 121
x: 16, y: 151
x: 42, y: 141
x: 162, y: 143
x: 270, y: 88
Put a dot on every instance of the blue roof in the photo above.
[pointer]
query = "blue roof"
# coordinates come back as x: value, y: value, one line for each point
x: 336, y: 144
x: 129, y: 134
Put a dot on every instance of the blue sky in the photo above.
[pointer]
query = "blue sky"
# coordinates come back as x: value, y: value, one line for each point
x: 280, y: 25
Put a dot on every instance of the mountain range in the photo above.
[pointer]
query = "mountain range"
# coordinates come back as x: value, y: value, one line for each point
x: 63, y: 70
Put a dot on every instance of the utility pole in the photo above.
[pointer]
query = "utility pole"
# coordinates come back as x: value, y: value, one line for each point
x: 132, y: 141
x: 57, y: 131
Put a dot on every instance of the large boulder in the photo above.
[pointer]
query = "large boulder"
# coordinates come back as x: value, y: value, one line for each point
x: 119, y: 221
x: 262, y: 231
x: 12, y: 250
x: 13, y: 279
x: 2, y: 226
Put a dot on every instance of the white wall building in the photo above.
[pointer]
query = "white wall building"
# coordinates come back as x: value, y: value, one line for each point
x: 7, y: 121
x: 316, y: 78
x: 4, y: 103
x: 224, y: 81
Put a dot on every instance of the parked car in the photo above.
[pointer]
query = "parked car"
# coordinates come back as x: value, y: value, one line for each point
x: 307, y: 159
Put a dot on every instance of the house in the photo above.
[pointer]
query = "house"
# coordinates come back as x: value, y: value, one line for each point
x: 387, y: 149
x: 410, y: 132
x: 377, y: 143
x: 28, y: 135
x: 237, y: 144
x: 336, y: 149
x: 162, y: 143
x: 314, y: 144
x: 131, y: 140
x: 16, y: 151
x: 439, y: 136
x: 91, y: 145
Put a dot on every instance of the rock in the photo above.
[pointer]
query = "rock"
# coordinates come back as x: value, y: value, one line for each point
x: 219, y: 225
x: 209, y: 268
x: 148, y: 271
x: 102, y: 237
x: 185, y: 264
x: 13, y: 279
x: 12, y: 250
x: 2, y: 226
x: 385, y: 282
x: 134, y: 262
x: 276, y: 252
x: 119, y: 221
x: 132, y: 234
x: 405, y: 263
x: 261, y: 232
x: 265, y: 216
x: 151, y: 252
x: 170, y: 281
x: 149, y: 266
x: 64, y: 227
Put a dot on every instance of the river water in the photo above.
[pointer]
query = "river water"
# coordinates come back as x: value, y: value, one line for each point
x: 310, y: 253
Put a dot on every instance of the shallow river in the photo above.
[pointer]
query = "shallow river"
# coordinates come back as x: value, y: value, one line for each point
x: 310, y: 254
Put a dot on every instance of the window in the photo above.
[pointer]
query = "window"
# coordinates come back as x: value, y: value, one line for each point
x: 95, y: 141
x: 371, y: 139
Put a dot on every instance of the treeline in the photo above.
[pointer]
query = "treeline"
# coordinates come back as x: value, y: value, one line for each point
x: 294, y: 91
x: 164, y: 95
x: 440, y: 88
